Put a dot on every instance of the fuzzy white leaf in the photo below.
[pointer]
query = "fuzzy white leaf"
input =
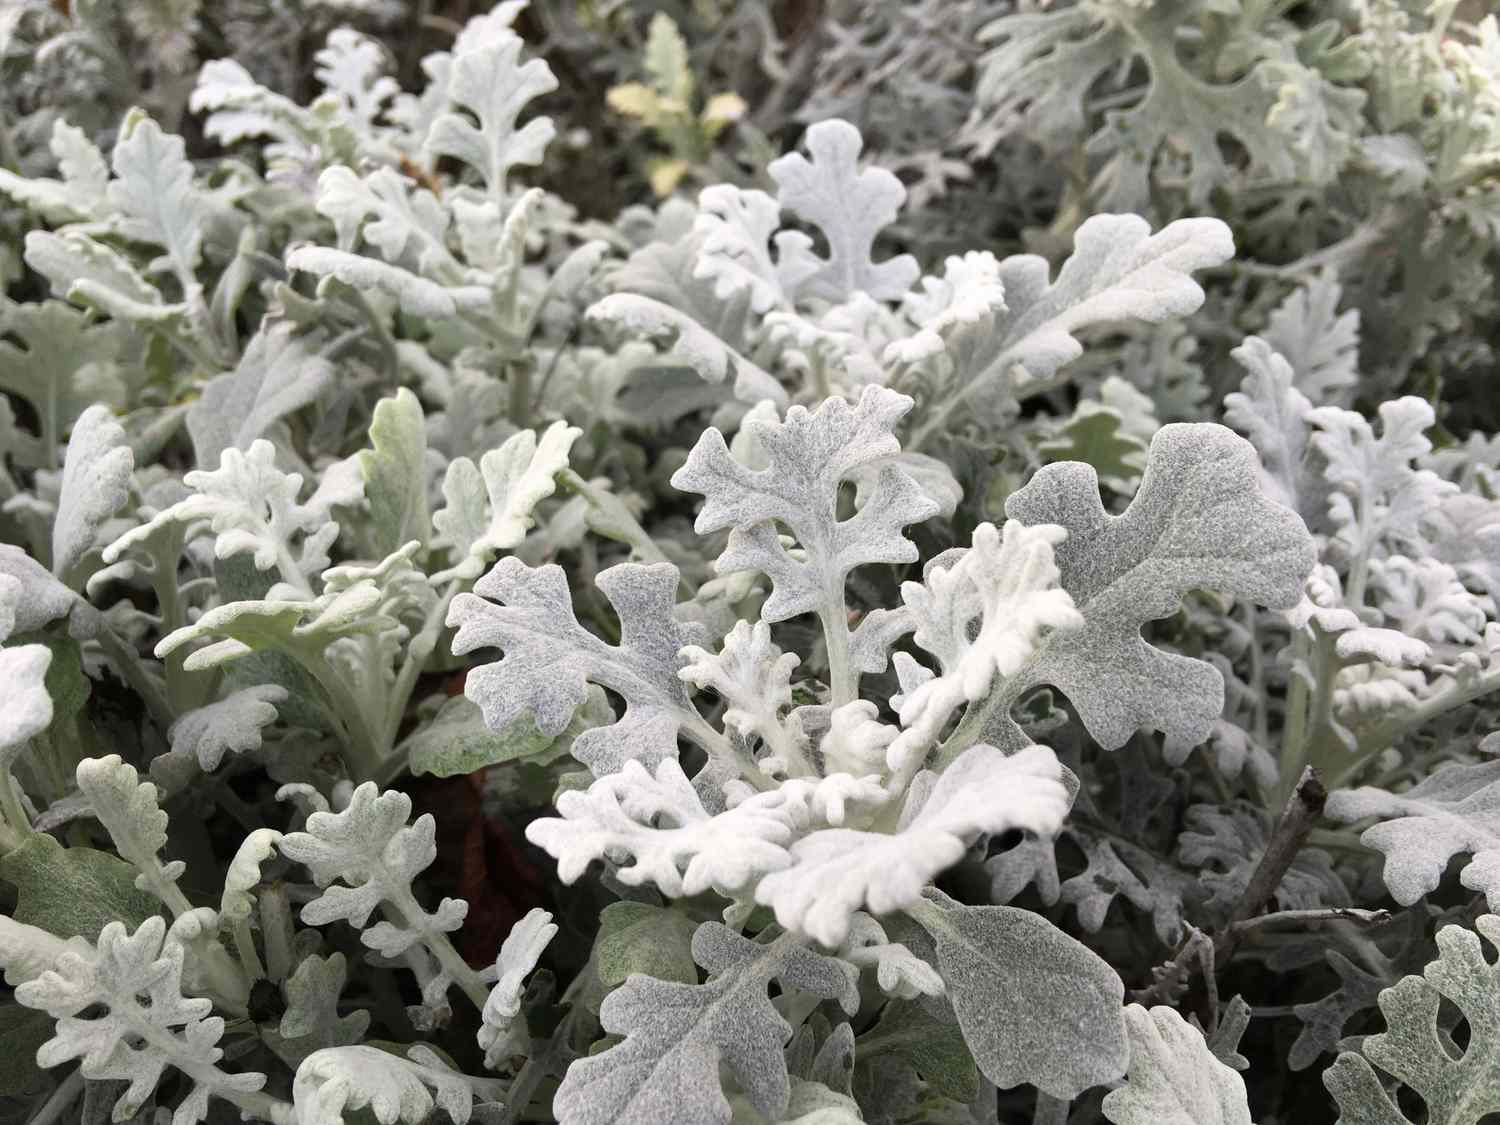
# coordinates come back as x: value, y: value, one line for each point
x: 79, y: 195
x: 1007, y: 583
x: 95, y: 485
x: 490, y: 508
x: 155, y: 197
x: 659, y: 822
x: 1456, y: 809
x: 277, y: 375
x: 753, y: 677
x: 676, y: 1037
x: 1379, y: 497
x: 518, y: 955
x: 120, y: 1009
x: 251, y: 506
x: 23, y: 671
x: 337, y: 1081
x: 809, y: 456
x: 231, y: 725
x: 243, y: 875
x: 128, y: 809
x: 1320, y: 343
x: 850, y: 206
x: 1173, y: 1077
x: 1198, y: 522
x: 1270, y: 411
x: 550, y: 659
x: 371, y: 849
x: 491, y: 83
x: 836, y: 871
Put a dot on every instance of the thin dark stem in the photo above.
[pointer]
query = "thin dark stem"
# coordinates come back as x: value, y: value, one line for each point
x: 1302, y: 811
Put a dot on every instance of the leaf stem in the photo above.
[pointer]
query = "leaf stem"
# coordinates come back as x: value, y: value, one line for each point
x: 417, y: 653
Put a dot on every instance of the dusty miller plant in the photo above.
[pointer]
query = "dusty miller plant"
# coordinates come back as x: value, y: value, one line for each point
x: 790, y: 651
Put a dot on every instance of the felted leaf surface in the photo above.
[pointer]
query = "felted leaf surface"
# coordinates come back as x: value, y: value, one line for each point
x: 677, y: 1036
x: 95, y: 485
x: 518, y: 955
x: 338, y: 1081
x: 1118, y: 270
x: 40, y: 597
x: 753, y: 678
x: 490, y: 508
x: 808, y: 456
x: 1379, y: 496
x: 1173, y: 1078
x: 251, y: 506
x: 73, y: 891
x: 1320, y: 343
x: 1198, y: 522
x: 550, y: 659
x: 395, y: 473
x: 1034, y: 1005
x: 128, y: 808
x: 312, y: 994
x: 1461, y: 1090
x: 23, y: 671
x: 837, y: 871
x: 231, y: 725
x: 155, y: 197
x: 79, y: 194
x: 278, y: 375
x: 118, y: 1006
x: 1456, y: 809
x: 457, y: 741
x: 659, y: 822
x: 850, y: 206
x: 1270, y: 411
x: 1007, y: 585
x: 491, y: 83
x: 369, y: 847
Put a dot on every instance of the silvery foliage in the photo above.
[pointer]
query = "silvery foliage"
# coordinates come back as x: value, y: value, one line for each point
x: 964, y: 711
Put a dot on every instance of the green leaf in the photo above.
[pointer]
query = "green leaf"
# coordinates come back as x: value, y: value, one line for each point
x: 936, y: 1049
x: 636, y: 937
x: 667, y: 61
x: 1094, y: 436
x: 73, y: 891
x: 395, y: 472
x: 22, y: 1030
x: 1034, y: 1004
x: 62, y: 365
x: 456, y: 741
x: 277, y: 375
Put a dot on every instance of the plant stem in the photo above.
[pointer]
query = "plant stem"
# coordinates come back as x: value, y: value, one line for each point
x: 1311, y: 917
x: 61, y: 1100
x: 12, y: 809
x: 417, y: 652
x: 1303, y: 809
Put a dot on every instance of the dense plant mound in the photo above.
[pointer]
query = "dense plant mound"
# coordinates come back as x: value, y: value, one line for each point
x: 773, y: 562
